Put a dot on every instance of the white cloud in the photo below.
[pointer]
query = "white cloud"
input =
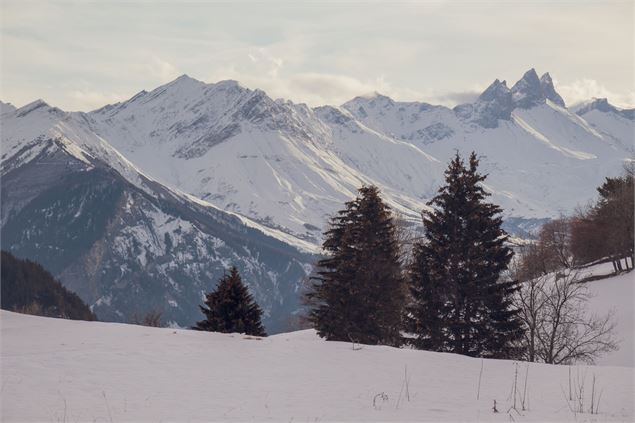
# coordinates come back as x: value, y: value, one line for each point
x: 89, y: 100
x: 161, y: 69
x: 585, y: 89
x: 312, y: 52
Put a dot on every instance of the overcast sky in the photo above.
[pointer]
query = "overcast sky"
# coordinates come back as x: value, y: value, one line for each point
x: 79, y: 55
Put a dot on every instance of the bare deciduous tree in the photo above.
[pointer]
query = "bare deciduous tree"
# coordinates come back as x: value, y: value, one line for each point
x: 555, y: 238
x: 559, y: 327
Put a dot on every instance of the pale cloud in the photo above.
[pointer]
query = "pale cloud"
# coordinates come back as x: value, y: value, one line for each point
x: 90, y: 100
x: 312, y: 52
x: 585, y: 89
x: 161, y: 69
x: 456, y: 97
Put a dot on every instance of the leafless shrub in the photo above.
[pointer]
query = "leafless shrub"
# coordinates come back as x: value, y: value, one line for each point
x: 578, y: 396
x: 559, y: 329
x: 152, y: 318
x: 34, y: 308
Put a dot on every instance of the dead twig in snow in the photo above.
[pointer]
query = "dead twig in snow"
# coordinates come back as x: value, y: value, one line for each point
x: 107, y: 406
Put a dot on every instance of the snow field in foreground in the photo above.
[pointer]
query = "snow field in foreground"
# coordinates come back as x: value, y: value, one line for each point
x: 60, y: 370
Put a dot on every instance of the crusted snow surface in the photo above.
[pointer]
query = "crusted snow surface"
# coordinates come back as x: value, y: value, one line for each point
x: 90, y: 371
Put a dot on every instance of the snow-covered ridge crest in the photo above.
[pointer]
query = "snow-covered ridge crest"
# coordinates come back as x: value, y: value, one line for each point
x: 288, y: 167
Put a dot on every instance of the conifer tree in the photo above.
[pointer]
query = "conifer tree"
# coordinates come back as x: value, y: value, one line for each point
x: 358, y: 293
x: 230, y: 308
x: 459, y: 304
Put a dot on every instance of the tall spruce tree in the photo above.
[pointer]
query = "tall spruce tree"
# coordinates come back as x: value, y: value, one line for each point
x: 230, y: 308
x: 358, y: 293
x: 458, y: 302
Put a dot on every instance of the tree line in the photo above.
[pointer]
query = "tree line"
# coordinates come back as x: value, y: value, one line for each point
x: 553, y: 297
x: 28, y: 288
x: 600, y: 232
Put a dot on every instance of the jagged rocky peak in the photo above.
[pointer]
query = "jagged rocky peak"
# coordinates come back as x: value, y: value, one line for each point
x: 496, y: 91
x: 494, y: 104
x: 546, y: 83
x: 527, y: 92
x: 531, y: 91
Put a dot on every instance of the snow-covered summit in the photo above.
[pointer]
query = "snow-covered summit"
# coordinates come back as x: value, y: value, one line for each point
x: 603, y: 105
x: 494, y: 104
x: 527, y: 91
x: 531, y: 91
x: 6, y: 107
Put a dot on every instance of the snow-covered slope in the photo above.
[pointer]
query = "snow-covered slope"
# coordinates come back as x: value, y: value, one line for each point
x: 26, y: 130
x: 281, y: 164
x: 616, y: 125
x: 6, y: 107
x: 616, y: 294
x: 89, y: 371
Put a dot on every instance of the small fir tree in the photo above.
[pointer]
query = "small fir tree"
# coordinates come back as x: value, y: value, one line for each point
x: 458, y: 302
x: 230, y: 308
x: 358, y: 293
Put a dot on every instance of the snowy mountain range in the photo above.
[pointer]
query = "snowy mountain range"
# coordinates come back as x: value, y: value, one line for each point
x: 153, y: 196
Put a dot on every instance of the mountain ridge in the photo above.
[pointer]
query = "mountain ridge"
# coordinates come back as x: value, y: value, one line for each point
x: 227, y: 174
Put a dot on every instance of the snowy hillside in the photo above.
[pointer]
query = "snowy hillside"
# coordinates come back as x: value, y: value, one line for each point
x: 617, y: 294
x: 84, y: 371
